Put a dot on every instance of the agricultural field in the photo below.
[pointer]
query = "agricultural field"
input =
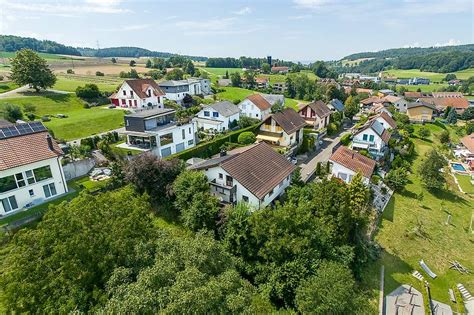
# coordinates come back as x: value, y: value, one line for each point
x: 413, y: 227
x: 8, y: 54
x: 424, y: 87
x: 80, y: 122
x: 70, y: 82
x: 433, y: 76
x: 91, y: 69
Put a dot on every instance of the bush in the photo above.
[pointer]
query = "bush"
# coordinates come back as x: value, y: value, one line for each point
x: 45, y: 118
x: 444, y: 137
x: 29, y: 108
x: 346, y: 139
x: 12, y: 113
x: 424, y: 132
x: 246, y: 137
x: 132, y: 63
x: 1, y: 77
x: 99, y: 74
x: 88, y: 91
x: 70, y: 71
x: 30, y: 116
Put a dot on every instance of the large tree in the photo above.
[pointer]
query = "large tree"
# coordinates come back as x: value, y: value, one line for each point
x: 29, y: 68
x: 430, y: 169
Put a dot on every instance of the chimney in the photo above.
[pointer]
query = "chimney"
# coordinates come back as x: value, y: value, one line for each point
x: 50, y: 142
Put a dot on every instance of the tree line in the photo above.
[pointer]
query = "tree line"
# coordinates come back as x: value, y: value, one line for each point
x: 13, y: 43
x: 132, y: 52
x: 243, y: 62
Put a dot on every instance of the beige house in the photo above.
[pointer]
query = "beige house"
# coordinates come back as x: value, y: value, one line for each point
x: 283, y: 129
x: 420, y: 112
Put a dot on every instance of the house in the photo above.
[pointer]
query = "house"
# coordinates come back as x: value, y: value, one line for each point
x: 420, y: 112
x: 274, y: 99
x: 281, y: 70
x: 386, y: 92
x: 284, y: 129
x: 399, y: 103
x: 372, y: 137
x: 417, y: 81
x: 336, y: 105
x: 460, y: 104
x: 158, y: 131
x: 279, y: 87
x: 413, y: 95
x: 138, y: 93
x: 30, y: 167
x: 224, y: 82
x: 361, y: 90
x: 315, y: 114
x: 256, y: 175
x: 218, y: 116
x: 177, y: 90
x: 454, y: 82
x: 379, y: 108
x: 370, y: 101
x: 262, y: 83
x: 385, y: 119
x: 255, y: 106
x: 468, y: 144
x: 346, y: 163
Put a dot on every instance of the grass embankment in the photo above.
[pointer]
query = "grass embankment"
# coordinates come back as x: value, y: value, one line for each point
x: 413, y: 228
x: 7, y: 86
x: 70, y: 82
x: 80, y: 122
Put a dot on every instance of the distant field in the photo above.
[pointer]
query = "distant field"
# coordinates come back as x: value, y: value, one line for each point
x: 434, y: 76
x: 221, y: 71
x: 71, y: 81
x: 107, y: 69
x: 7, y: 86
x: 79, y: 123
x: 424, y: 88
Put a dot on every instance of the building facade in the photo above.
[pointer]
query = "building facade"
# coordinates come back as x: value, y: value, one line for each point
x: 218, y: 117
x: 138, y: 93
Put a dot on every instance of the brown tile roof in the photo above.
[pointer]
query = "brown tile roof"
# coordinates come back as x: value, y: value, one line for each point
x: 413, y: 94
x: 259, y: 101
x: 387, y: 118
x: 391, y: 98
x: 282, y: 68
x: 371, y: 100
x: 443, y: 102
x: 468, y: 142
x: 139, y: 86
x: 289, y: 120
x: 261, y: 80
x: 259, y: 169
x: 386, y: 136
x: 447, y: 94
x: 353, y: 160
x: 361, y: 90
x: 26, y: 149
x: 421, y: 103
x: 320, y: 108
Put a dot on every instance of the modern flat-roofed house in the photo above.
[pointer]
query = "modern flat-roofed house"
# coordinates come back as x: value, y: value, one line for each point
x: 255, y: 106
x: 346, y: 163
x: 30, y: 167
x: 284, y: 129
x: 420, y: 112
x: 315, y: 114
x: 158, y: 131
x: 138, y: 93
x: 218, y: 116
x: 281, y: 70
x: 256, y: 175
x: 177, y: 90
x: 373, y: 137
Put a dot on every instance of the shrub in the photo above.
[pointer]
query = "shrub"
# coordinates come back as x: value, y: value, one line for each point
x: 424, y: 132
x: 346, y: 139
x: 132, y: 63
x: 1, y: 77
x: 88, y: 91
x: 45, y: 118
x: 99, y: 74
x: 246, y: 137
x: 30, y: 116
x: 29, y: 108
x: 12, y: 113
x: 70, y: 71
x: 444, y: 137
x: 397, y: 179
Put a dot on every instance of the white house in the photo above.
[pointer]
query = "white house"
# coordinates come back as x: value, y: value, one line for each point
x: 316, y: 114
x: 30, y: 167
x: 346, y: 163
x: 385, y: 119
x: 177, y: 90
x: 255, y: 106
x: 138, y: 93
x: 398, y: 102
x: 218, y: 116
x: 284, y: 129
x: 372, y: 137
x: 158, y: 131
x: 256, y: 175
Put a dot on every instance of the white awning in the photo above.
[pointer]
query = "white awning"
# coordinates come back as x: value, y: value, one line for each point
x: 360, y: 145
x: 268, y: 138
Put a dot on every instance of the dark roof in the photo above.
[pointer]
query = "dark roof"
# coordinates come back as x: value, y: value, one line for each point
x: 151, y: 112
x: 378, y: 128
x: 319, y: 108
x: 354, y: 161
x: 5, y: 123
x: 420, y: 104
x: 259, y: 101
x: 26, y: 149
x: 337, y: 104
x: 210, y: 163
x: 259, y: 169
x: 139, y: 86
x: 289, y: 120
x: 225, y: 108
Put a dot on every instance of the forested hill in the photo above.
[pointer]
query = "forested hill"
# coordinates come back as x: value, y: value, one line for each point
x: 408, y: 52
x: 132, y: 52
x: 14, y: 43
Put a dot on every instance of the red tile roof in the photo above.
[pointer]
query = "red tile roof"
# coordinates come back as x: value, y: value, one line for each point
x: 447, y: 94
x: 371, y: 100
x: 460, y: 103
x: 139, y: 86
x: 282, y: 68
x: 259, y: 101
x: 413, y: 94
x: 26, y: 149
x: 354, y: 161
x: 289, y: 120
x: 468, y: 142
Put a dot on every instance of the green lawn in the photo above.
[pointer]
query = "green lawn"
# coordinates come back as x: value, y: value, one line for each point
x: 234, y: 94
x: 423, y: 87
x: 220, y: 71
x: 7, y: 86
x: 436, y: 244
x: 9, y: 54
x: 71, y: 82
x: 80, y: 122
x: 433, y: 76
x: 465, y: 183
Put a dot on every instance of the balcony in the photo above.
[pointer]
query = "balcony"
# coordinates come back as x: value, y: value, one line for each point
x: 225, y: 192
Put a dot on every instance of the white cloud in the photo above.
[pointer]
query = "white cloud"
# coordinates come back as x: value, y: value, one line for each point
x: 450, y: 42
x: 300, y: 17
x: 243, y: 11
x: 88, y: 6
x: 125, y: 28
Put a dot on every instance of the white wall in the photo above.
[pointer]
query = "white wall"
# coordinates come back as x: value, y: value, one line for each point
x: 22, y: 194
x: 383, y: 122
x: 339, y: 171
x: 401, y: 105
x: 249, y: 109
x: 377, y: 144
x: 189, y: 140
x: 226, y: 120
x: 130, y: 98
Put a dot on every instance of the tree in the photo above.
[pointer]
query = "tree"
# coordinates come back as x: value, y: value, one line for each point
x: 133, y: 74
x: 29, y: 108
x: 249, y: 76
x: 132, y: 63
x: 266, y: 68
x: 188, y: 184
x: 226, y: 76
x: 12, y: 113
x: 430, y: 170
x: 424, y: 132
x: 351, y: 106
x: 114, y: 60
x: 148, y: 64
x: 246, y: 121
x: 449, y: 77
x: 468, y: 114
x: 88, y: 91
x: 67, y: 259
x: 29, y: 68
x: 235, y: 79
x: 329, y: 291
x: 397, y: 178
x: 246, y: 137
x: 452, y: 117
x: 153, y: 175
x: 189, y: 68
x: 278, y: 107
x: 444, y: 137
x: 175, y: 74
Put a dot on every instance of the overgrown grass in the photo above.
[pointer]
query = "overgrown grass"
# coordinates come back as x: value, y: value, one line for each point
x: 7, y: 86
x: 80, y: 122
x: 71, y: 82
x: 413, y: 228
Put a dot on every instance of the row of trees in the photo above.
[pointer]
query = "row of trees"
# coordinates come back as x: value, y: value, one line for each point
x: 300, y: 86
x: 243, y: 62
x: 16, y: 43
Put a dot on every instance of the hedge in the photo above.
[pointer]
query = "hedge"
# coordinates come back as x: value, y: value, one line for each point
x: 205, y: 150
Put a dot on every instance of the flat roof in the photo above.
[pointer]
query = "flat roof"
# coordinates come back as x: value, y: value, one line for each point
x: 151, y: 112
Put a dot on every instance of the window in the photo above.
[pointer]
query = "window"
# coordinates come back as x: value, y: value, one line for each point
x: 364, y: 137
x: 20, y: 181
x: 215, y: 114
x: 270, y: 193
x: 127, y: 123
x: 9, y: 203
x: 124, y: 102
x: 135, y: 102
x: 166, y: 139
x: 371, y: 138
x: 49, y: 190
x: 31, y: 192
x: 245, y: 198
x: 221, y: 176
x: 256, y: 115
x: 131, y: 93
x: 190, y: 142
x: 183, y: 132
x: 42, y: 173
x: 30, y: 177
x: 206, y: 113
x: 124, y: 93
x: 7, y: 183
x: 189, y: 130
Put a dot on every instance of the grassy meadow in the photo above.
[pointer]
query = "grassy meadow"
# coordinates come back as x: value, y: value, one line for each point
x: 80, y: 122
x: 235, y: 94
x: 70, y: 82
x: 9, y: 54
x: 433, y: 76
x: 413, y: 227
x: 7, y: 86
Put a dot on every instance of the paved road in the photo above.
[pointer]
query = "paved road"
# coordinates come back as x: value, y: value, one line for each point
x: 26, y: 88
x: 323, y: 155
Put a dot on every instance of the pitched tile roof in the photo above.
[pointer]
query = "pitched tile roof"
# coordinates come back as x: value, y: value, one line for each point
x: 370, y: 100
x: 259, y: 169
x: 139, y: 86
x: 387, y: 118
x: 225, y: 108
x: 392, y: 98
x: 447, y: 94
x: 289, y: 120
x: 468, y: 142
x: 320, y: 108
x: 447, y: 101
x: 26, y: 149
x: 413, y: 94
x: 420, y: 103
x: 354, y: 161
x: 259, y: 101
x: 282, y: 68
x: 378, y: 128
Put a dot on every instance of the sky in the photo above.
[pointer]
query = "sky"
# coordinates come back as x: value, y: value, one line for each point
x: 297, y: 30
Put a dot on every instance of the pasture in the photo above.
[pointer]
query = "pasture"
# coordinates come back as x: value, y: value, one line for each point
x: 69, y: 82
x: 424, y: 87
x: 433, y: 76
x: 7, y: 86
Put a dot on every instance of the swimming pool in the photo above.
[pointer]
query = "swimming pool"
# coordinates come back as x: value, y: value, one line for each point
x: 458, y: 167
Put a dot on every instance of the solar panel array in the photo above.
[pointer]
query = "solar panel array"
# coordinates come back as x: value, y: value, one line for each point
x: 21, y: 129
x: 378, y: 127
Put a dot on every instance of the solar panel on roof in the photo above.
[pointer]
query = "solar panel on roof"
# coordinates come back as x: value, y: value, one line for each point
x: 21, y: 129
x: 378, y: 127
